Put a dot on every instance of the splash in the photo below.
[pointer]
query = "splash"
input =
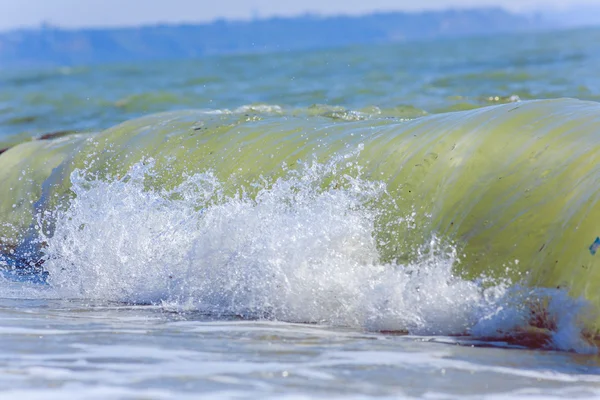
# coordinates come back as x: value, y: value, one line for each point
x: 301, y: 248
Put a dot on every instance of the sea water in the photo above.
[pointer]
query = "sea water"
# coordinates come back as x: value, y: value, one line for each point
x: 398, y: 220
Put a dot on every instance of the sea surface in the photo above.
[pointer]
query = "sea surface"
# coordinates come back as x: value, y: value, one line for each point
x: 407, y: 220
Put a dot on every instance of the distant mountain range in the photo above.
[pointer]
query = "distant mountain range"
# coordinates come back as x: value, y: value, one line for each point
x: 46, y: 46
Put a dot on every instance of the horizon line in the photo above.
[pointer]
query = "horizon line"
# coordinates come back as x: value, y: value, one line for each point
x: 49, y: 25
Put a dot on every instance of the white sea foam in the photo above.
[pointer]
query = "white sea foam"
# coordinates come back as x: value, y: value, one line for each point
x: 296, y: 251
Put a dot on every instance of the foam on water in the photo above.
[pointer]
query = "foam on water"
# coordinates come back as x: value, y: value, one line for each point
x: 298, y: 250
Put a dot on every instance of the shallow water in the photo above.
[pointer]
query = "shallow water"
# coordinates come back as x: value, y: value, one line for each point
x: 53, y: 349
x: 317, y: 226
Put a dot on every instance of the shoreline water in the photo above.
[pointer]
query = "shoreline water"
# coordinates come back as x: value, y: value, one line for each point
x: 284, y: 216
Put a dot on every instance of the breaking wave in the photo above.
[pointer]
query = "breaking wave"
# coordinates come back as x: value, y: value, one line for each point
x: 478, y: 223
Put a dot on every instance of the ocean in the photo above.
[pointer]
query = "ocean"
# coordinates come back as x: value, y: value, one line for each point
x: 407, y: 220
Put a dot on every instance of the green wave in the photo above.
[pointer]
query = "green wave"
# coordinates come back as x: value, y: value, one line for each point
x: 515, y: 186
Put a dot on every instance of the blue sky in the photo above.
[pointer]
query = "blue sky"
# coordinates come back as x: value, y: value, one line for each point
x: 80, y: 13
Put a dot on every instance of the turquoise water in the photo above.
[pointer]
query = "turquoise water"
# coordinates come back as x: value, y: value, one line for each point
x: 403, y: 220
x: 431, y: 76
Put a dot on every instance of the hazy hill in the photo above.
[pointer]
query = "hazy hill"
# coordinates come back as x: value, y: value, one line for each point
x: 55, y: 46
